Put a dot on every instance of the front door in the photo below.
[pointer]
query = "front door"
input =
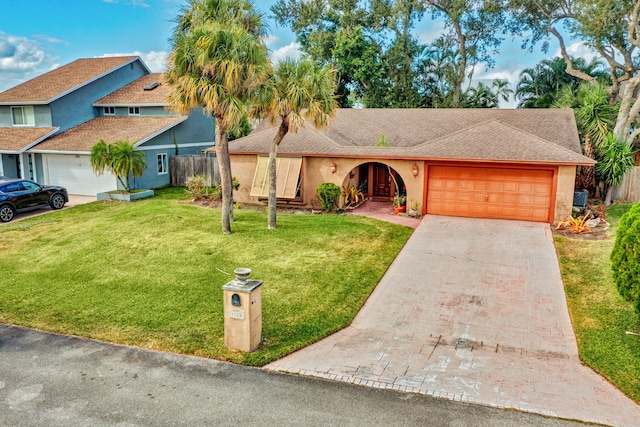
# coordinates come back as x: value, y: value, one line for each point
x: 381, y: 181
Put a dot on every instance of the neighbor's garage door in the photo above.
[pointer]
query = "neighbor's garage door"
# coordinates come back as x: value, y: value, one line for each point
x: 487, y: 192
x: 74, y: 172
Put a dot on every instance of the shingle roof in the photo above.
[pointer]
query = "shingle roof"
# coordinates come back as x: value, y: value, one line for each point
x: 495, y: 135
x: 17, y: 139
x: 49, y: 86
x: 134, y: 94
x: 135, y: 129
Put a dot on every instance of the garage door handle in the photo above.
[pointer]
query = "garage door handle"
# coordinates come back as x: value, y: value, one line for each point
x: 486, y: 198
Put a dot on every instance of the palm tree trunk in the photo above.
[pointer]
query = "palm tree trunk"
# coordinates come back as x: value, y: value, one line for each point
x: 224, y: 164
x: 609, y: 196
x: 273, y: 151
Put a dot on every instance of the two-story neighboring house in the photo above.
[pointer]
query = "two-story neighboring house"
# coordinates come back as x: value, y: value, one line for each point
x: 49, y: 124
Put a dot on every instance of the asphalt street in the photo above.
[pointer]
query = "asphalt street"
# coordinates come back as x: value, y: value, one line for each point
x: 56, y: 380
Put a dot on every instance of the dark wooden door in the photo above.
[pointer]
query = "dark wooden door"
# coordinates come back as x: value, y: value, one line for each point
x: 381, y: 181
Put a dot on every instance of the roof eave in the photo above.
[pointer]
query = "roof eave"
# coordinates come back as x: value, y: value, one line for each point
x: 131, y: 105
x: 417, y: 158
x: 85, y: 83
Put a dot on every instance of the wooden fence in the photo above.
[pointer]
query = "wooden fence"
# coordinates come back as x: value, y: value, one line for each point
x: 182, y: 168
x: 629, y: 190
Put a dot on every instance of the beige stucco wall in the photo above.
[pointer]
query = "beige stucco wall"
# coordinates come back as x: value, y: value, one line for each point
x: 564, y: 192
x: 317, y: 170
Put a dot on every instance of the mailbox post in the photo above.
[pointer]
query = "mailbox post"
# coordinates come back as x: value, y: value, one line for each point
x: 243, y: 312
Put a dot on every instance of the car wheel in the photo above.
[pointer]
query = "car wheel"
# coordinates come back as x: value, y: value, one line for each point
x: 57, y: 201
x: 6, y: 213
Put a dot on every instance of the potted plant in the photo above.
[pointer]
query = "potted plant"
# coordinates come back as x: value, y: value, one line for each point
x: 399, y: 204
x: 415, y: 208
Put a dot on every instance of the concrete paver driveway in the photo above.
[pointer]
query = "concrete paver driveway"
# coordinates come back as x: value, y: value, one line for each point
x: 471, y: 310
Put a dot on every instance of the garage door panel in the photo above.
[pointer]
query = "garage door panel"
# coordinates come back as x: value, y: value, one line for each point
x: 508, y: 193
x: 74, y: 172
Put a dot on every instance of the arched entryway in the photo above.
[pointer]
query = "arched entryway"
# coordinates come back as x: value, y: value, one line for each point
x: 379, y: 181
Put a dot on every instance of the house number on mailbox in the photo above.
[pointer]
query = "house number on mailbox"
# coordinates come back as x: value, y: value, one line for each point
x: 236, y: 313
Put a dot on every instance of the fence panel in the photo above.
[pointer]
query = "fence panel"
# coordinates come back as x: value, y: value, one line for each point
x: 629, y: 190
x: 181, y: 168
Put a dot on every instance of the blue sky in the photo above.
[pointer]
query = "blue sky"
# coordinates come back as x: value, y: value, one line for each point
x: 39, y: 35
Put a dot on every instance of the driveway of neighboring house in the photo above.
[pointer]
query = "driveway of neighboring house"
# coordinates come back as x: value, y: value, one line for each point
x: 73, y: 201
x: 471, y: 310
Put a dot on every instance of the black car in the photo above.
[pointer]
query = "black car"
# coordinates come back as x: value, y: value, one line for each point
x: 21, y: 195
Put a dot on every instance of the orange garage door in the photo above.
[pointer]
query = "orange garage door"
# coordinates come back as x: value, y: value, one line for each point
x: 481, y: 192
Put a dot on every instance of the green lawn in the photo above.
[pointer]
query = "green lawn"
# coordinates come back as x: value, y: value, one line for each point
x: 599, y: 314
x: 149, y: 273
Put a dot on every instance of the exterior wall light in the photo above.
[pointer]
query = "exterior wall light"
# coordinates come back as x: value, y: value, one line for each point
x: 415, y: 170
x: 334, y: 167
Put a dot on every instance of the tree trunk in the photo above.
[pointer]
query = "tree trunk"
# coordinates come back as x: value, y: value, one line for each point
x: 273, y: 201
x: 609, y: 196
x: 224, y: 164
x: 462, y: 46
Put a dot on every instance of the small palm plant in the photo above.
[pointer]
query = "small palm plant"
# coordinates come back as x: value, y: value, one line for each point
x: 121, y: 158
x: 616, y: 158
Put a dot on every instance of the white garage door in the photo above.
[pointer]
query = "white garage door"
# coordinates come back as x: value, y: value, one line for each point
x: 74, y: 172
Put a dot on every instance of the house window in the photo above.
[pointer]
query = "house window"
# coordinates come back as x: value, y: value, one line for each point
x: 109, y: 111
x: 23, y: 116
x: 163, y: 165
x: 134, y: 111
x: 288, y: 178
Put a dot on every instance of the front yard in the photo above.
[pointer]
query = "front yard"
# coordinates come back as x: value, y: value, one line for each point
x: 150, y: 273
x: 599, y: 314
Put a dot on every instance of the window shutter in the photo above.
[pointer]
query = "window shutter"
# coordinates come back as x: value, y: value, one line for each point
x: 287, y: 175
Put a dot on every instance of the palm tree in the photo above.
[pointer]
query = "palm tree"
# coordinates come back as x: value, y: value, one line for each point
x: 218, y: 62
x: 297, y: 90
x: 616, y: 158
x: 538, y: 87
x: 595, y: 117
x: 121, y: 158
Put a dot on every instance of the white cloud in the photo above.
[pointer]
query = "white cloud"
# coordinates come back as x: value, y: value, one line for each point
x: 434, y: 30
x: 155, y: 60
x: 271, y: 40
x: 21, y: 59
x: 292, y: 50
x: 579, y: 50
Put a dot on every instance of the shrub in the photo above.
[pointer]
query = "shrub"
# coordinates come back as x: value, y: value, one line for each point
x: 329, y: 194
x: 625, y: 257
x: 198, y: 186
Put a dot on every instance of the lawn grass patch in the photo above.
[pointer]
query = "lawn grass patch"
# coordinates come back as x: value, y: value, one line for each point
x: 599, y: 314
x: 149, y: 273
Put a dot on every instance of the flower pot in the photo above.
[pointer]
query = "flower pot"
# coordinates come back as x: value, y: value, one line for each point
x: 398, y: 209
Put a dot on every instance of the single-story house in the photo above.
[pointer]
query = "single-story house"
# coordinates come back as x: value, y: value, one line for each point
x: 488, y: 163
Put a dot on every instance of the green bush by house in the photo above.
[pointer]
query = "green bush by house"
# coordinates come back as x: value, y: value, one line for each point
x: 625, y: 257
x: 329, y: 194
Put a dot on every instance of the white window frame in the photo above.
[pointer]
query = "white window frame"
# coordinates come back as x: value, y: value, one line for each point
x: 163, y: 164
x: 109, y: 111
x: 25, y: 117
x: 134, y: 111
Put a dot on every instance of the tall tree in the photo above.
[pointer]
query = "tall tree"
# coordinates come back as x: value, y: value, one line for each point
x: 610, y: 27
x: 217, y: 62
x: 297, y: 90
x: 472, y: 25
x: 370, y: 43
